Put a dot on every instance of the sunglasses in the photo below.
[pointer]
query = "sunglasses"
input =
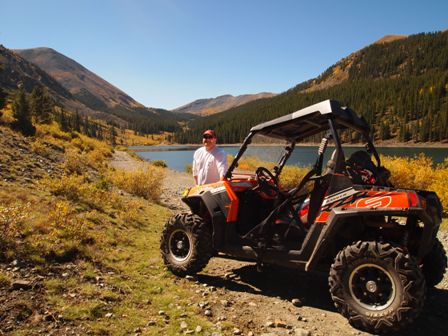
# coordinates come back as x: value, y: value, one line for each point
x: 208, y: 137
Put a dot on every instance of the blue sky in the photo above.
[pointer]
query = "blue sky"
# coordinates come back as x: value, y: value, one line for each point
x: 166, y: 53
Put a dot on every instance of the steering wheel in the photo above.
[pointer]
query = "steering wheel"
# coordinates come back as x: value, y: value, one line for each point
x: 266, y: 182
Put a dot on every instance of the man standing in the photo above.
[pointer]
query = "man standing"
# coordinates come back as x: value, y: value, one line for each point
x: 209, y: 161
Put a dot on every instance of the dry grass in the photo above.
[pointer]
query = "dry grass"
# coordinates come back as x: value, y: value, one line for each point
x: 146, y: 182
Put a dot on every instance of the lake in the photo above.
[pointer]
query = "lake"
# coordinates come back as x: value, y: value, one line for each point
x: 178, y: 156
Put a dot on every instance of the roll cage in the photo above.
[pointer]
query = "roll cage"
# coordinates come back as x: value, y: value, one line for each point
x: 327, y: 116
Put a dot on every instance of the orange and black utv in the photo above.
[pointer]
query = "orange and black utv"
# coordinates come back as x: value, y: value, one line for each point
x: 378, y: 241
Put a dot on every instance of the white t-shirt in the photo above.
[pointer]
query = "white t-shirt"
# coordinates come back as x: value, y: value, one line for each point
x: 209, y: 166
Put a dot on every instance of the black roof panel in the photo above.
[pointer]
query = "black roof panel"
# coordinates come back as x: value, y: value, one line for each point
x: 312, y: 120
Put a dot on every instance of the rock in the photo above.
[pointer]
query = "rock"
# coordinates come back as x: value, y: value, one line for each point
x: 225, y: 303
x: 280, y: 324
x: 198, y: 329
x: 250, y: 333
x: 162, y: 313
x: 203, y: 305
x: 108, y: 315
x: 270, y: 324
x: 297, y: 302
x: 21, y: 284
x: 183, y: 325
x: 252, y: 304
x: 151, y: 323
x: 138, y: 330
x: 208, y: 312
x: 189, y: 332
x: 236, y: 331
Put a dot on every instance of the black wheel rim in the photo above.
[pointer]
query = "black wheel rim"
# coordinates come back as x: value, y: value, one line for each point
x: 372, y: 287
x: 179, y: 244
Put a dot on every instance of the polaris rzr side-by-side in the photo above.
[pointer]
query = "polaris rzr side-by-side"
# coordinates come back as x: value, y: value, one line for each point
x: 378, y: 241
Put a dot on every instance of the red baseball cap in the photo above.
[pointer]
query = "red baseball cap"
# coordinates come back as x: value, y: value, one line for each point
x: 210, y: 132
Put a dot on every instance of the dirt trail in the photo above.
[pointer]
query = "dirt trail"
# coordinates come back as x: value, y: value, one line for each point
x: 278, y: 301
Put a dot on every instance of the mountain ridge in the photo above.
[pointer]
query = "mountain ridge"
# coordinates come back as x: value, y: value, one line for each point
x: 62, y: 68
x: 208, y: 106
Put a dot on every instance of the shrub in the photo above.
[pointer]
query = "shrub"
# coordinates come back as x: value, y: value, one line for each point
x: 439, y: 184
x: 74, y: 162
x: 69, y: 186
x: 406, y: 172
x: 292, y: 175
x: 159, y: 163
x: 40, y: 148
x: 77, y: 188
x: 52, y: 130
x: 12, y: 217
x: 65, y: 223
x: 146, y: 183
x: 418, y: 173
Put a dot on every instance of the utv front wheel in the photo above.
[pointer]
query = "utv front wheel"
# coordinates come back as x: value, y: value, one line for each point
x: 186, y: 244
x: 376, y: 286
x: 434, y: 264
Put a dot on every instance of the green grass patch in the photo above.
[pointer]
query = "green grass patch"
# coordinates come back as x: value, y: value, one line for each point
x: 126, y: 285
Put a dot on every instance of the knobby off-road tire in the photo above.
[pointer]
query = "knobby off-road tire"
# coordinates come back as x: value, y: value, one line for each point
x: 377, y: 286
x: 434, y: 264
x: 186, y: 244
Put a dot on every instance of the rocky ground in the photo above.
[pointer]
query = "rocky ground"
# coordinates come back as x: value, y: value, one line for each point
x: 275, y: 302
x: 279, y: 301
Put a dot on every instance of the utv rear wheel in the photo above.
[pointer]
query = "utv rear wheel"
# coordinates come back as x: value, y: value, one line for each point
x: 376, y: 286
x: 186, y: 244
x: 434, y: 264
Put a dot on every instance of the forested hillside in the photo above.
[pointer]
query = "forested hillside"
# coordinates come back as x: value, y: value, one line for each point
x: 400, y: 87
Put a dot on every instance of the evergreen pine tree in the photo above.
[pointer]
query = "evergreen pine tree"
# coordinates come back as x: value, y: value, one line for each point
x: 112, y: 134
x: 41, y: 104
x: 2, y: 94
x: 63, y: 123
x: 2, y: 98
x: 21, y: 112
x: 77, y: 122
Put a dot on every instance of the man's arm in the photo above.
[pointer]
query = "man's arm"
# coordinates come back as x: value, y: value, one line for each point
x: 194, y: 169
x: 221, y: 163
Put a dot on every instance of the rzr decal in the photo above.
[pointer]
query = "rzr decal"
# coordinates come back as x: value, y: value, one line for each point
x: 350, y: 198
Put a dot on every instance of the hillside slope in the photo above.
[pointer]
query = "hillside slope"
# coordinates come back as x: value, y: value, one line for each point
x: 16, y: 70
x: 82, y: 83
